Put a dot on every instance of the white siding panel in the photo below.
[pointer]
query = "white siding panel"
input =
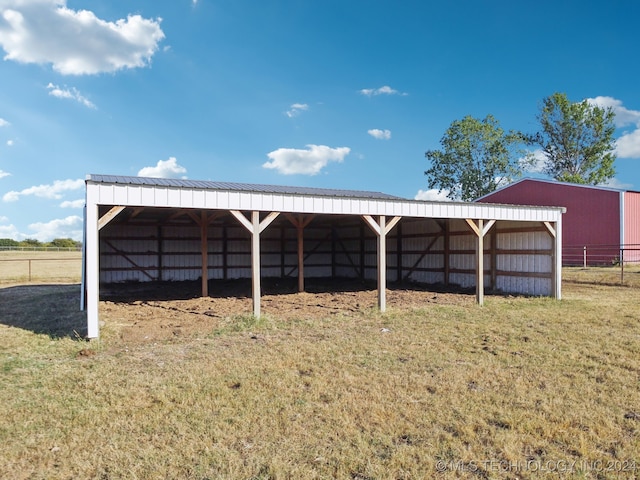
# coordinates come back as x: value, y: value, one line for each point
x: 173, y: 197
x: 161, y: 197
x: 148, y: 196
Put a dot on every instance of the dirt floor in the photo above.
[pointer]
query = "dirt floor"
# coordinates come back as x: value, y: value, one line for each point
x: 142, y: 313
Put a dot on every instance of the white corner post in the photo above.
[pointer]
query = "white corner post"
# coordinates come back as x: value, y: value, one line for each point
x: 255, y: 227
x: 92, y: 267
x: 92, y: 227
x: 381, y: 228
x: 480, y: 229
x: 555, y: 231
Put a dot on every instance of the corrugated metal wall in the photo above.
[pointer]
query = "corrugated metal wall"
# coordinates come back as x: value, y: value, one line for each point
x: 632, y: 226
x: 517, y: 258
x: 592, y: 218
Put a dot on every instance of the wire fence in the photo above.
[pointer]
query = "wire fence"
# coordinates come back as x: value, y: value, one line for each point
x: 49, y: 268
x: 600, y: 255
x: 587, y: 256
x: 40, y: 249
x: 18, y: 264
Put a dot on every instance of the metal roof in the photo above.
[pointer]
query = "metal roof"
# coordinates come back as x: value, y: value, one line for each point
x: 240, y: 187
x: 555, y: 183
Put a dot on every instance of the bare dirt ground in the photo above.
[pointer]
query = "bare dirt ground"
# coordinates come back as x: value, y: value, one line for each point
x: 143, y: 314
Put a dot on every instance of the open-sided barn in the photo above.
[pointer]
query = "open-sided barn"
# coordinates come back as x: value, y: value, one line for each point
x: 599, y: 220
x: 149, y: 230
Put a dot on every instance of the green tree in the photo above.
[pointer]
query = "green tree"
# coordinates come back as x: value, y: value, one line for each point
x: 477, y: 156
x: 64, y: 243
x: 30, y: 242
x: 8, y: 242
x: 576, y: 140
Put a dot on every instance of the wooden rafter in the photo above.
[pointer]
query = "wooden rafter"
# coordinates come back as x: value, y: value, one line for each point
x: 107, y: 217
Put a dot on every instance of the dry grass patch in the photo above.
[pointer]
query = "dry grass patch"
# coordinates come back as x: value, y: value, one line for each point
x: 33, y: 266
x: 438, y: 388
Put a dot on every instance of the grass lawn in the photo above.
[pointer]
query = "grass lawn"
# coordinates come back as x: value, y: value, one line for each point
x: 520, y: 388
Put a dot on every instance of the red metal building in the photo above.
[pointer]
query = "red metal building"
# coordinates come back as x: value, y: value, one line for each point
x: 604, y: 220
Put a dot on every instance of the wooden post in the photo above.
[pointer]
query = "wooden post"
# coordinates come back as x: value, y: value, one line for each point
x: 382, y: 265
x: 255, y: 262
x: 480, y: 229
x: 204, y: 249
x: 399, y: 255
x: 255, y: 227
x: 160, y: 253
x: 300, y: 232
x: 300, y: 222
x: 494, y: 258
x: 381, y: 228
x: 447, y: 250
x: 480, y: 265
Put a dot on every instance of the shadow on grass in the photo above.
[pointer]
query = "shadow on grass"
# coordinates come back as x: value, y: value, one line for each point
x: 52, y: 310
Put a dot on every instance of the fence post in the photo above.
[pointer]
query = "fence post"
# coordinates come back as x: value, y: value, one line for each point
x: 584, y: 257
x: 621, y: 266
x: 29, y: 270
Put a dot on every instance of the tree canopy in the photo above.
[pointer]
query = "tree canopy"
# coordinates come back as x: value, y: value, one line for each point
x: 576, y: 140
x: 477, y: 156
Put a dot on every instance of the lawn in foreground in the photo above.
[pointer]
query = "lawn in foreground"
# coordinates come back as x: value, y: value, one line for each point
x: 515, y: 389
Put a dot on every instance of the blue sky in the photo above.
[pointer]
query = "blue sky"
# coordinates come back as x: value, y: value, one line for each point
x: 332, y: 93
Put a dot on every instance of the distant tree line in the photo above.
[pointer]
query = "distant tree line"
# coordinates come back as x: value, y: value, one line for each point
x: 32, y: 243
x: 574, y: 144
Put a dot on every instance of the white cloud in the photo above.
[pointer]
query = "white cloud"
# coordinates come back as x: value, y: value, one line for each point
x: 73, y: 203
x: 291, y: 161
x: 69, y: 93
x: 53, y: 191
x: 164, y: 169
x: 380, y: 134
x: 433, y: 195
x: 4, y: 174
x: 628, y: 144
x: 10, y: 231
x: 3, y: 219
x: 75, y: 42
x: 615, y: 183
x: 296, y: 109
x: 534, y: 161
x: 623, y: 117
x: 69, y: 227
x: 385, y: 90
x: 9, y: 143
x: 4, y: 123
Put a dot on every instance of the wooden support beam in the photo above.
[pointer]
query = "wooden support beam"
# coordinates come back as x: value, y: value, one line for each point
x: 447, y: 251
x: 381, y: 228
x: 107, y: 217
x: 550, y: 228
x: 255, y: 262
x: 128, y: 259
x: 382, y: 265
x: 204, y: 249
x: 136, y: 212
x: 480, y: 229
x: 494, y: 259
x: 300, y: 222
x: 480, y: 264
x: 255, y: 227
